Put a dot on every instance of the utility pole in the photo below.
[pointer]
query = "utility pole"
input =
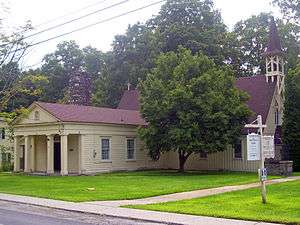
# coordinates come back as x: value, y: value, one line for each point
x: 262, y: 171
x: 262, y: 161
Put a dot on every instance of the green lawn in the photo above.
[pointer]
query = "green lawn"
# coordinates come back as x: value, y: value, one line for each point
x: 116, y: 186
x: 283, y: 205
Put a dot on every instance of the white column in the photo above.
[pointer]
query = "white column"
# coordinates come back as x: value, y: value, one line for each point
x: 32, y: 154
x: 50, y: 154
x: 79, y: 154
x: 16, y: 154
x: 64, y: 154
x: 27, y: 154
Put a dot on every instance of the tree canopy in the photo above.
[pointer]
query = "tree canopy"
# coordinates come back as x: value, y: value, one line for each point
x: 252, y: 37
x: 13, y: 83
x: 291, y: 122
x: 191, y: 105
x: 194, y: 24
x: 290, y: 9
x: 68, y: 59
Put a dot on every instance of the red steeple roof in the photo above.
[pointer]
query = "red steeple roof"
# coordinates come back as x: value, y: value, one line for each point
x: 274, y: 46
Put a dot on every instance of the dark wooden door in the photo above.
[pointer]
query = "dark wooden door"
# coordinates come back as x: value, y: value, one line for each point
x: 57, y: 165
x: 22, y: 157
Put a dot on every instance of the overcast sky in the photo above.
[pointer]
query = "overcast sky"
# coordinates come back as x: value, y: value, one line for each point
x: 101, y: 36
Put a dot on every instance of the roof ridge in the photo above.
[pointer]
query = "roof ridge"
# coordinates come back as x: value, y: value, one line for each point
x: 82, y: 106
x: 248, y: 77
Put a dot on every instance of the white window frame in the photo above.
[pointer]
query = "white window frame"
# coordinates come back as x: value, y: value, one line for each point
x: 134, y: 150
x: 109, y: 153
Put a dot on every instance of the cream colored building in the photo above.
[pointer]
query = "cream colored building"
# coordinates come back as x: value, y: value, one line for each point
x: 79, y: 139
x: 67, y: 139
x: 6, y: 148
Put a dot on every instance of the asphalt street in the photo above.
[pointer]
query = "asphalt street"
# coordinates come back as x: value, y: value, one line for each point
x: 21, y: 214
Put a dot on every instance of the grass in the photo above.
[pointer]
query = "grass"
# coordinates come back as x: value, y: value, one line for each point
x: 283, y: 205
x: 117, y: 186
x: 296, y: 174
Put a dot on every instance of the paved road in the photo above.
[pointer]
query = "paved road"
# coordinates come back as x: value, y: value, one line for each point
x: 20, y: 214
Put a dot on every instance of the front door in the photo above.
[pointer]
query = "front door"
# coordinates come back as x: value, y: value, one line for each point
x: 57, y: 164
x: 22, y: 157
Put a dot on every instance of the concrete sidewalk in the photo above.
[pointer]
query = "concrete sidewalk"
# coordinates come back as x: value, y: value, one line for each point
x: 136, y: 214
x: 187, y: 195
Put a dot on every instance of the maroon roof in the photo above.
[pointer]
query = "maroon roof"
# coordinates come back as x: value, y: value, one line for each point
x: 89, y: 114
x: 130, y: 100
x: 260, y: 92
x: 274, y: 45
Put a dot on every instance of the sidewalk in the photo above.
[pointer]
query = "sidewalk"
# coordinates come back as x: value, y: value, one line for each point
x: 187, y: 195
x: 136, y: 214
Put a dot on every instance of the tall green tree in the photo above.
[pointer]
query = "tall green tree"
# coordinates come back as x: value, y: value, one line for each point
x: 131, y: 59
x: 290, y: 9
x: 291, y: 122
x: 252, y: 38
x: 194, y: 24
x: 191, y: 106
x: 67, y: 59
x: 14, y: 83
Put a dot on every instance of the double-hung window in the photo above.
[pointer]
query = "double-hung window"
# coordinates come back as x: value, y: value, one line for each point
x: 105, y: 149
x: 130, y: 148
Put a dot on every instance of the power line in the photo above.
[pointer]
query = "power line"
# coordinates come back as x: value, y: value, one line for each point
x: 78, y: 18
x: 70, y: 21
x: 90, y: 25
x: 70, y: 13
x: 54, y: 19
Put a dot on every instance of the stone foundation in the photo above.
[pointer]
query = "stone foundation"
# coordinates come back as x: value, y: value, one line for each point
x: 282, y: 168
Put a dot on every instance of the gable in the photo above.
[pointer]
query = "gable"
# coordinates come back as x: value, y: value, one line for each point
x: 130, y: 100
x: 37, y: 115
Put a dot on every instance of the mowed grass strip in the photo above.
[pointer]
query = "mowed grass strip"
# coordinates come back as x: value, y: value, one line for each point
x: 283, y: 205
x: 117, y: 186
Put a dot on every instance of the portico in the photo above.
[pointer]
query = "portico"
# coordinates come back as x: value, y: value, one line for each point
x: 47, y: 153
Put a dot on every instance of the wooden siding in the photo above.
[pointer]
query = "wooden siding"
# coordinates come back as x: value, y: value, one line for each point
x: 216, y: 161
x: 89, y: 142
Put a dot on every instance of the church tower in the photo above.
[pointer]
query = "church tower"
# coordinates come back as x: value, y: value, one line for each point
x: 274, y: 56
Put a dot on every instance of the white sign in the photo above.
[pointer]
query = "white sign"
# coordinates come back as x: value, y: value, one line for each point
x: 253, y: 147
x: 268, y: 147
x: 263, y: 174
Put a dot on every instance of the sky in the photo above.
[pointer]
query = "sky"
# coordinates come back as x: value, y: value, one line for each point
x: 47, y: 13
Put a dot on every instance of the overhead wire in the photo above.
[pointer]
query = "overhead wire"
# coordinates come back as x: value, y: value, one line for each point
x: 89, y: 25
x: 70, y: 13
x: 69, y: 21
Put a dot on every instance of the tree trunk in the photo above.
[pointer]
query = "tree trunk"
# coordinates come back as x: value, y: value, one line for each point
x: 183, y: 156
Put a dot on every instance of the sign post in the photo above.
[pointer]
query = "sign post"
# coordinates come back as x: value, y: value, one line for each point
x: 262, y: 170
